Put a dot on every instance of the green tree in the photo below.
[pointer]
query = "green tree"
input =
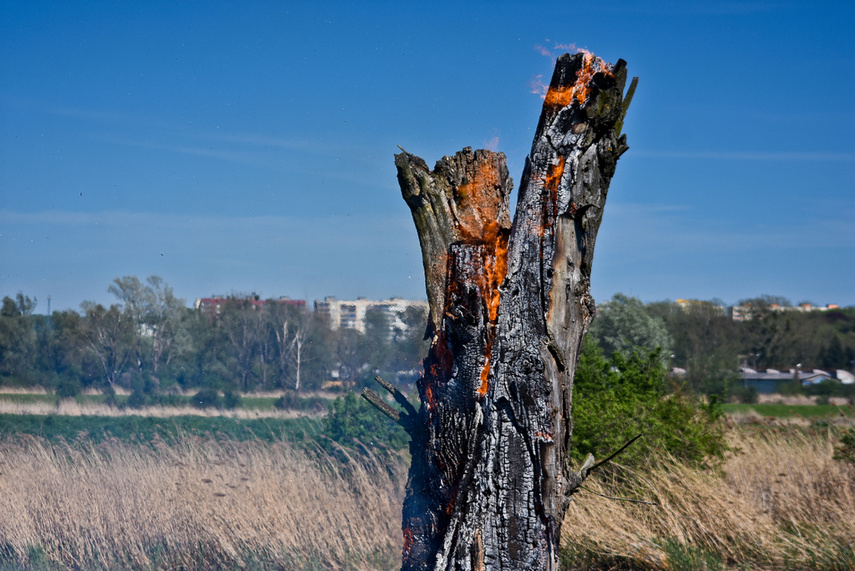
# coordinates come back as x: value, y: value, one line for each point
x: 164, y: 323
x: 350, y: 356
x: 66, y: 355
x: 410, y: 344
x: 110, y: 337
x: 764, y: 332
x: 781, y: 338
x: 623, y: 324
x: 209, y: 361
x: 134, y: 300
x: 242, y: 325
x: 17, y: 340
x: 376, y: 343
x: 157, y: 315
x: 705, y: 343
x: 352, y: 419
x: 317, y: 357
x: 616, y: 399
x: 290, y: 332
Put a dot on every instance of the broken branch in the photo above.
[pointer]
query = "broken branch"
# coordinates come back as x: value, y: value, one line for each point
x: 396, y: 394
x: 381, y: 405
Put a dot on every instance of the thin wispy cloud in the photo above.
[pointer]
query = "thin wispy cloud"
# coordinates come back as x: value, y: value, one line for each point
x: 706, y: 8
x: 750, y: 155
x: 200, y: 255
x: 261, y: 140
x: 169, y: 130
x: 237, y: 156
x: 654, y: 231
x: 101, y: 116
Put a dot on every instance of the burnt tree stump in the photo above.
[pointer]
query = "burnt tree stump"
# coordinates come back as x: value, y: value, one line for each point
x: 510, y: 304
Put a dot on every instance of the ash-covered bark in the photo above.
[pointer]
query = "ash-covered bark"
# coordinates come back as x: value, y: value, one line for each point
x: 489, y: 483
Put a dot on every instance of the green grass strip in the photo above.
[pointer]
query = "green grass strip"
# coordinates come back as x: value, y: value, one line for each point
x: 791, y: 410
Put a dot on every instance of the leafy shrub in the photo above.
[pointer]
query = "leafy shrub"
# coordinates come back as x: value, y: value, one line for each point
x: 231, y: 400
x: 206, y: 398
x: 68, y: 388
x: 616, y: 399
x: 291, y: 400
x: 846, y: 451
x: 109, y: 395
x: 743, y: 394
x: 830, y: 388
x: 136, y: 400
x: 352, y: 419
x: 288, y: 401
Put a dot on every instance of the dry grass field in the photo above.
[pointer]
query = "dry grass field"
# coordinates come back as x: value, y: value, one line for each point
x: 73, y: 408
x: 202, y: 504
x: 779, y: 502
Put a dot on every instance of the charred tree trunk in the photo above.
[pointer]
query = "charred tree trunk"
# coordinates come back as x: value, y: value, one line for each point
x: 489, y: 482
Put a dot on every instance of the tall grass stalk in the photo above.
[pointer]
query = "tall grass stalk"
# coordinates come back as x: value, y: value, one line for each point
x: 70, y: 407
x: 779, y: 502
x: 200, y: 504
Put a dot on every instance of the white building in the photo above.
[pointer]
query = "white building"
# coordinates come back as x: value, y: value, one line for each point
x: 350, y: 314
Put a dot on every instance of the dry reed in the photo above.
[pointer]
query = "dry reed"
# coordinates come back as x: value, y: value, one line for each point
x: 200, y: 504
x: 780, y: 503
x: 73, y: 408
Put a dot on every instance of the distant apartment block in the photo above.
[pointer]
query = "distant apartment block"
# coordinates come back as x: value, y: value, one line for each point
x: 350, y: 314
x: 745, y: 312
x: 688, y: 304
x: 215, y: 304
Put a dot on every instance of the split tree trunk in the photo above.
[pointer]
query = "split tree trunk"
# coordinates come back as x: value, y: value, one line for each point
x: 489, y: 482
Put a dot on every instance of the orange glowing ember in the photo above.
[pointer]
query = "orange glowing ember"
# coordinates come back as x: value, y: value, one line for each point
x: 429, y: 398
x: 408, y: 542
x: 479, y: 203
x: 554, y: 174
x: 478, y: 221
x: 485, y: 373
x: 565, y: 95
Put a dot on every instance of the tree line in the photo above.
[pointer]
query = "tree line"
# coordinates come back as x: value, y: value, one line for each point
x: 150, y: 342
x: 702, y: 341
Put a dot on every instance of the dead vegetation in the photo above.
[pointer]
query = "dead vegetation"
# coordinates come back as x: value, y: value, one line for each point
x: 202, y: 504
x: 779, y: 502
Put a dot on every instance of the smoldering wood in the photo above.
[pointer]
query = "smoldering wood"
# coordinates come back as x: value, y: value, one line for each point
x: 490, y: 482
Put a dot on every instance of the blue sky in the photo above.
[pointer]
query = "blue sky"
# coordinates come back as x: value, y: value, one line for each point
x: 247, y: 147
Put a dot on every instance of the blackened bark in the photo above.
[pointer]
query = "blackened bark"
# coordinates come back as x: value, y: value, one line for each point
x: 489, y: 482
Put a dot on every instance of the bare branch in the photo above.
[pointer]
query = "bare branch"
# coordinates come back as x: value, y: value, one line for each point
x: 615, y: 453
x: 396, y: 394
x: 618, y: 499
x: 381, y: 405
